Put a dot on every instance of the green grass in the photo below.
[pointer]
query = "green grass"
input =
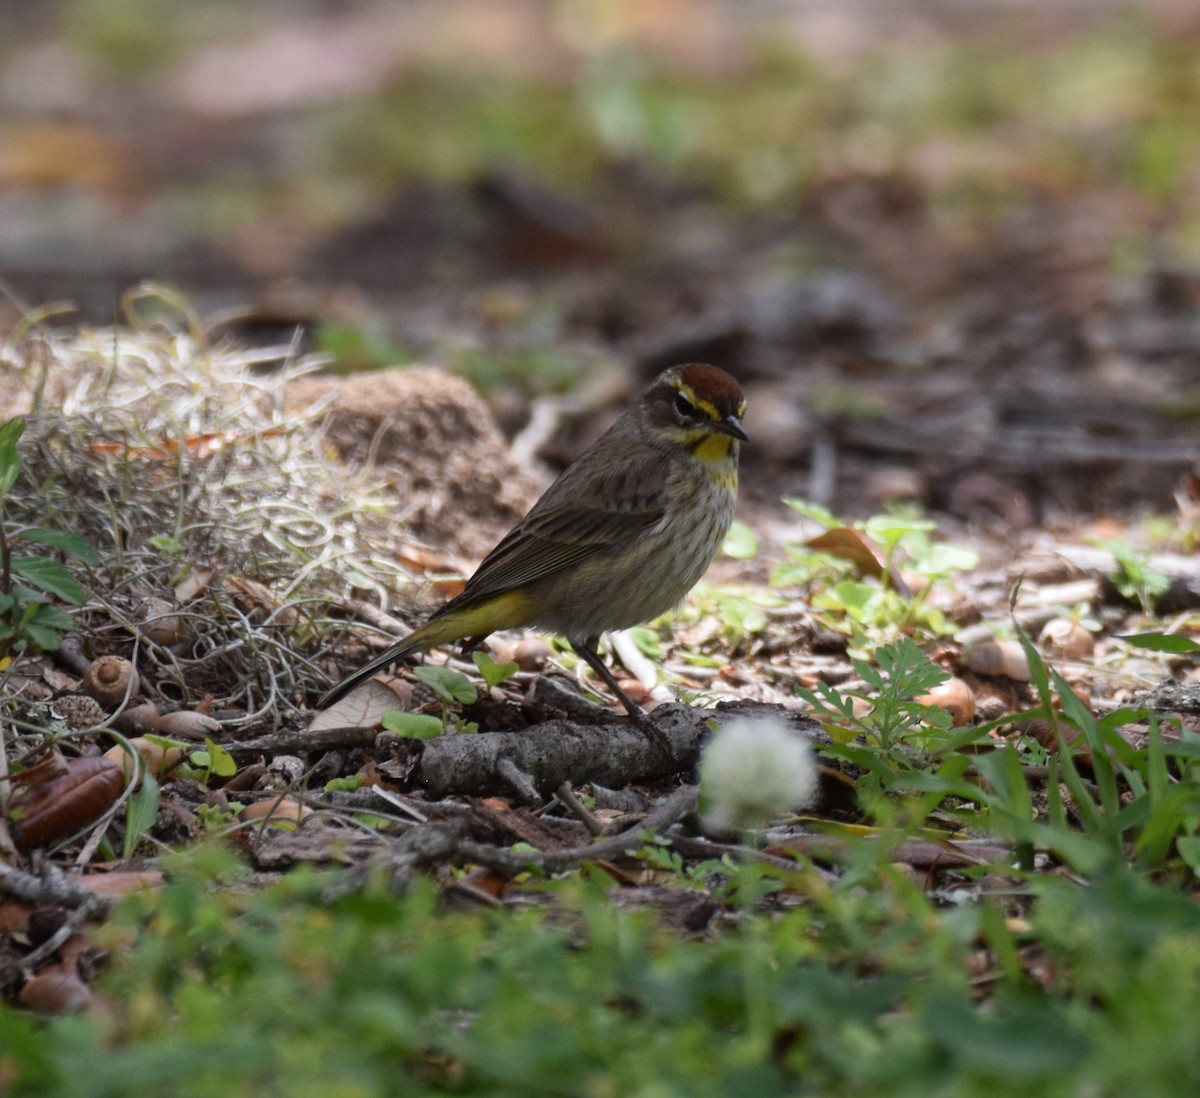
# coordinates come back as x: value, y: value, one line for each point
x: 1066, y: 966
x: 869, y: 987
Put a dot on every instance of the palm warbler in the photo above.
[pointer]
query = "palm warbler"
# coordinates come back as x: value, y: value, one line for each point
x: 619, y: 538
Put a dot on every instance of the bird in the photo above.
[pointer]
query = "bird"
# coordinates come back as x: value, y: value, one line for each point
x: 619, y: 538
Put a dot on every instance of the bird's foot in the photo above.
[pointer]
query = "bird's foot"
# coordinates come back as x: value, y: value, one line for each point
x: 636, y: 713
x: 655, y: 734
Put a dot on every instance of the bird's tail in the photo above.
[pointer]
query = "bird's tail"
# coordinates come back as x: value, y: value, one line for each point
x: 476, y: 618
x: 384, y: 660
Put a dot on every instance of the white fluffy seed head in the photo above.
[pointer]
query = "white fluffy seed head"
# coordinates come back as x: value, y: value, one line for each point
x: 754, y: 768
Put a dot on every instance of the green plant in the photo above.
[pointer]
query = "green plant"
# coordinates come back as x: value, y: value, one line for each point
x: 903, y: 674
x: 1173, y: 643
x: 140, y: 814
x: 365, y: 346
x: 1133, y: 576
x: 212, y: 759
x: 417, y: 726
x: 1105, y: 802
x: 853, y: 574
x: 454, y: 688
x: 741, y: 542
x: 1142, y: 802
x: 28, y: 619
x: 493, y: 673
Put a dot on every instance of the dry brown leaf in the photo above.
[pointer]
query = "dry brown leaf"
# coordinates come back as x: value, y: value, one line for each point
x: 43, y: 154
x: 194, y: 584
x: 61, y: 807
x: 56, y: 989
x: 846, y: 543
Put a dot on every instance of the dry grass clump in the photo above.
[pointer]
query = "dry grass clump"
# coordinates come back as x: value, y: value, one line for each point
x: 211, y: 500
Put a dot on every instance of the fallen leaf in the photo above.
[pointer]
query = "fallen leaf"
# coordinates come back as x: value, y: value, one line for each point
x: 361, y: 708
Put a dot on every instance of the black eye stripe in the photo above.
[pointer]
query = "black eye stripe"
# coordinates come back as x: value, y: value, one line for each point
x: 684, y: 406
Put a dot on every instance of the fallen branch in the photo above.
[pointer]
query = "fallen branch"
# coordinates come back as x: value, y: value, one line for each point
x: 52, y: 888
x: 558, y: 751
x: 293, y: 741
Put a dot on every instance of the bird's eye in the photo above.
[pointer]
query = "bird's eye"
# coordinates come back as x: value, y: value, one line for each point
x: 684, y: 406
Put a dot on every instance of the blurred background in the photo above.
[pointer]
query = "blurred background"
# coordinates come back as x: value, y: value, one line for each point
x: 936, y: 234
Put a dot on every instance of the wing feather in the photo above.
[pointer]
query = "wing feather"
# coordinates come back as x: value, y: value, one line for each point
x: 584, y: 514
x: 533, y: 551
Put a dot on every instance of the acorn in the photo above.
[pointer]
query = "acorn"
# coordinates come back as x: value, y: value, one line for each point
x: 187, y: 724
x: 956, y: 697
x: 285, y: 813
x: 1064, y: 639
x: 993, y: 657
x: 110, y: 680
x: 156, y: 759
x: 157, y: 621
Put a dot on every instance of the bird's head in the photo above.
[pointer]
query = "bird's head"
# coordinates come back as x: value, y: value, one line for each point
x: 700, y: 407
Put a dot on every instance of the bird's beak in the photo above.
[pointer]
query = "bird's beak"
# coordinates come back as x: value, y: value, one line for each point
x: 732, y: 426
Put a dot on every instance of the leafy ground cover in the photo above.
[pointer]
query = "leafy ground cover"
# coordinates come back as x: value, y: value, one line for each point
x: 987, y: 896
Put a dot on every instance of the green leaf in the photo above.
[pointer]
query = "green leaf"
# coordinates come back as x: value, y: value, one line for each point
x: 493, y: 673
x: 11, y: 431
x: 814, y: 511
x: 941, y: 560
x: 1077, y: 713
x: 50, y: 576
x: 1162, y: 642
x: 164, y: 543
x: 1188, y: 847
x: 853, y: 596
x: 50, y: 617
x: 220, y: 761
x: 1020, y: 1041
x: 164, y: 741
x: 911, y: 672
x: 141, y: 812
x: 452, y: 686
x: 418, y: 726
x: 43, y: 639
x: 78, y: 547
x: 344, y: 785
x: 10, y: 460
x: 741, y: 542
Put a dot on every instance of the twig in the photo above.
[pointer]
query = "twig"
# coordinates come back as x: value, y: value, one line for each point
x: 567, y: 795
x: 381, y: 619
x: 52, y: 888
x: 517, y: 778
x: 680, y: 804
x: 706, y: 848
x: 631, y: 657
x: 70, y: 927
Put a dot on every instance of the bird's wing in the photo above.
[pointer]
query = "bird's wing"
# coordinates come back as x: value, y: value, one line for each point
x: 550, y: 539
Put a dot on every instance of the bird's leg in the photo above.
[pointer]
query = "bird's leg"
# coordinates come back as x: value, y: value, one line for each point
x: 637, y: 714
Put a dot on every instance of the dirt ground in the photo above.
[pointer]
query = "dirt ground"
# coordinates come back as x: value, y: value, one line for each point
x: 1000, y: 369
